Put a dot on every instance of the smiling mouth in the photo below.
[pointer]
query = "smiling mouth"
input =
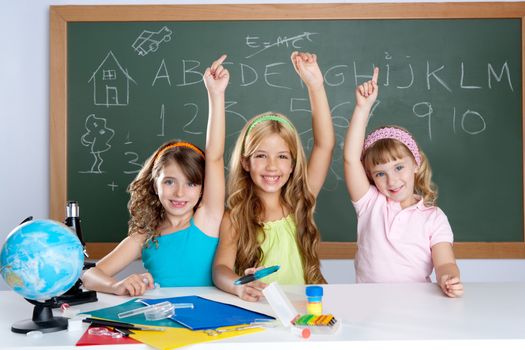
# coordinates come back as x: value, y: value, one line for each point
x: 395, y: 190
x: 178, y: 204
x: 271, y: 180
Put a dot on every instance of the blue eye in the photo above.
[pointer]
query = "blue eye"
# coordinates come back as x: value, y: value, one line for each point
x: 399, y: 167
x: 380, y: 174
x: 168, y: 182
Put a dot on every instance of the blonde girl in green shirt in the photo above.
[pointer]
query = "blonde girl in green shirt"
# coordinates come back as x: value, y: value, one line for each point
x: 272, y: 189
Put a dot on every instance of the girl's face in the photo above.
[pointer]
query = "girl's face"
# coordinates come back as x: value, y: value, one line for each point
x: 395, y: 179
x: 177, y: 194
x: 270, y: 165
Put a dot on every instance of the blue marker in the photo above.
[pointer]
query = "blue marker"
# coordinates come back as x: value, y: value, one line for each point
x: 257, y: 275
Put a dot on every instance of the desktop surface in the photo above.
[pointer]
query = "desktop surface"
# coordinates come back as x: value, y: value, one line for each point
x: 409, y: 314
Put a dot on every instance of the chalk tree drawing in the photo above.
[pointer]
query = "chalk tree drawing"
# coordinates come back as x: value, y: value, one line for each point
x: 97, y: 137
x: 111, y: 83
x: 149, y: 41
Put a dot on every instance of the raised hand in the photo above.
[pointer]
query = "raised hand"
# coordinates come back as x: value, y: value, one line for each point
x: 305, y: 64
x: 366, y: 93
x: 216, y: 77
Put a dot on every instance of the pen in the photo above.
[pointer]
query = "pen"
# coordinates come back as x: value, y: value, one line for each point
x: 124, y: 331
x: 120, y: 325
x: 257, y: 275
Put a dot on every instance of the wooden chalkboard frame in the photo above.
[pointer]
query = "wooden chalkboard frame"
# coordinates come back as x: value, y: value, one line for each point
x: 60, y: 16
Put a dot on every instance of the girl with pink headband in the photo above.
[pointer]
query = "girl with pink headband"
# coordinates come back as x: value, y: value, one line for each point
x: 176, y: 206
x: 401, y: 234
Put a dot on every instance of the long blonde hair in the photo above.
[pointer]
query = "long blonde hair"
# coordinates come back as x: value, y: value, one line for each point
x: 145, y: 209
x: 386, y: 150
x: 246, y: 208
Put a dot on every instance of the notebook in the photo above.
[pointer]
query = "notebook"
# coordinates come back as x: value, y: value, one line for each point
x: 111, y: 313
x: 209, y: 314
x: 91, y: 339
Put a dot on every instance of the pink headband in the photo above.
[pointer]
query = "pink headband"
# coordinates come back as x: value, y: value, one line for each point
x: 396, y: 134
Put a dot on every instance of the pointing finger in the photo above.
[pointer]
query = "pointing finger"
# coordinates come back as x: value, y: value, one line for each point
x: 376, y: 75
x: 217, y: 63
x: 221, y: 59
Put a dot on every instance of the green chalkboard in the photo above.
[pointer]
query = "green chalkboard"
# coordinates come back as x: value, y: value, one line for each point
x: 454, y: 83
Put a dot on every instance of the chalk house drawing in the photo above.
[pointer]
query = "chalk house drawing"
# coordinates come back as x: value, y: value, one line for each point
x: 111, y: 83
x: 149, y: 41
x: 97, y: 137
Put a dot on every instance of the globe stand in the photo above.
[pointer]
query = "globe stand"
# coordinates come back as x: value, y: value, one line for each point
x: 43, y: 319
x: 74, y: 296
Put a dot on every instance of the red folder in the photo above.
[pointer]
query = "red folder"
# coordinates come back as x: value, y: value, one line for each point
x: 90, y: 339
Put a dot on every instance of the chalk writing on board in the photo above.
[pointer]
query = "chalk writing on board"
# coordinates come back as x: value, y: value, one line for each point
x: 340, y: 121
x: 110, y: 83
x: 162, y: 73
x: 228, y: 110
x: 432, y: 75
x: 97, y: 137
x: 185, y: 128
x: 113, y: 186
x: 161, y: 120
x: 255, y: 42
x: 398, y: 72
x: 475, y: 120
x: 134, y: 162
x: 149, y: 41
x: 128, y: 139
x: 192, y: 70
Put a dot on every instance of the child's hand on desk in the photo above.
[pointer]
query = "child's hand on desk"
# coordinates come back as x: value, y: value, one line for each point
x: 134, y: 285
x: 251, y: 291
x: 451, y: 286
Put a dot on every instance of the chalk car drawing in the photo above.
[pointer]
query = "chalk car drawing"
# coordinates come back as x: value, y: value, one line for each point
x: 149, y: 41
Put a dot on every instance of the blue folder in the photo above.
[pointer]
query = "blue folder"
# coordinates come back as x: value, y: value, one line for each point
x: 209, y: 314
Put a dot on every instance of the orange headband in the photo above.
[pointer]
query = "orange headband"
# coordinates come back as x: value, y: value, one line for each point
x: 179, y: 144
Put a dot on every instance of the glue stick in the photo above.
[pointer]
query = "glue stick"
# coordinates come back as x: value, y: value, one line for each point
x: 314, y: 295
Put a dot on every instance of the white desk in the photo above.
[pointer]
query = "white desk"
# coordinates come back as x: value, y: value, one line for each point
x: 408, y: 315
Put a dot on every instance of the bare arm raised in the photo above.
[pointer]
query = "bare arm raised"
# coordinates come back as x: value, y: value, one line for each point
x: 306, y: 66
x: 355, y: 174
x: 209, y: 214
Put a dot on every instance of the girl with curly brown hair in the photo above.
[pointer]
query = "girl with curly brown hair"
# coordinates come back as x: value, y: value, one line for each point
x: 175, y: 210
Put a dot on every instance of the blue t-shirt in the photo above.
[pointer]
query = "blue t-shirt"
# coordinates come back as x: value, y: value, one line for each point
x: 182, y: 259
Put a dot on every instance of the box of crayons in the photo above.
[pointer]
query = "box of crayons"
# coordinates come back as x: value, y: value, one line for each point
x: 318, y: 324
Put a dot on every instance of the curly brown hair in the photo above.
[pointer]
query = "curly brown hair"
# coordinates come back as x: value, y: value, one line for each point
x: 145, y: 209
x: 246, y: 208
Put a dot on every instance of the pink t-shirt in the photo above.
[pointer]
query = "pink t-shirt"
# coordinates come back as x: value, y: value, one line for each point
x: 394, y: 243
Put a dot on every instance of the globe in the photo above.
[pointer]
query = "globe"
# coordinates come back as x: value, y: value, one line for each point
x: 41, y: 259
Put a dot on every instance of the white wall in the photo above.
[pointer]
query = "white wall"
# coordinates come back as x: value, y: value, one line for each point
x: 24, y: 145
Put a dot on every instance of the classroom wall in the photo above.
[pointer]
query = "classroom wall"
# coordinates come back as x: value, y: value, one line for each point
x: 24, y: 145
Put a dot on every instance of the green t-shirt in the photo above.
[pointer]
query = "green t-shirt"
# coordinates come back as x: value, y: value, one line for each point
x: 280, y: 248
